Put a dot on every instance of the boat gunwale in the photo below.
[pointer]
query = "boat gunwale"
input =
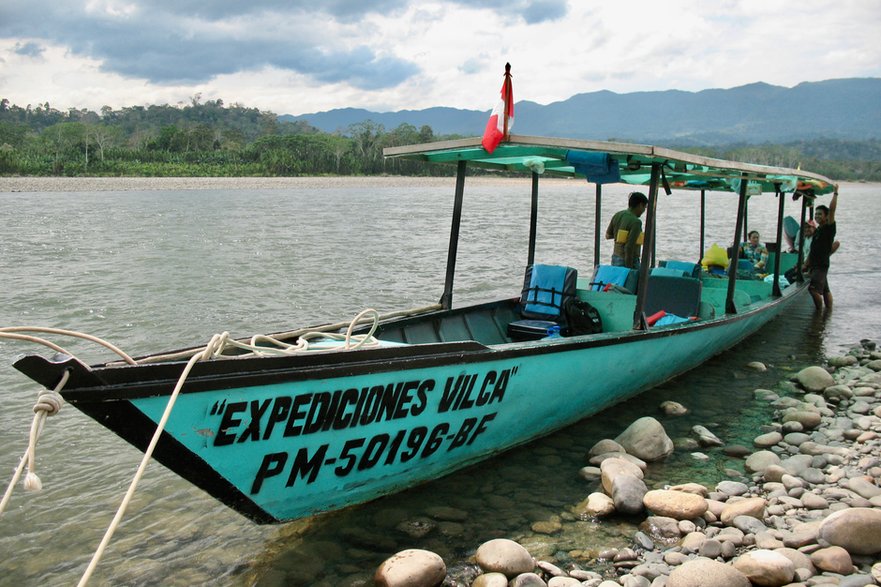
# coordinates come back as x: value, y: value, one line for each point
x: 216, y: 375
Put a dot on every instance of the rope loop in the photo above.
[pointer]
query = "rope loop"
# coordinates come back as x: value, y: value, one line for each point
x: 49, y: 402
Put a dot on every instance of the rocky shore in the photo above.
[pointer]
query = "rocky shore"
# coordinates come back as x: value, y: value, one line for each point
x: 804, y: 511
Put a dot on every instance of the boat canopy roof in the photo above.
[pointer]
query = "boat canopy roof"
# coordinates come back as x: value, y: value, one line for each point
x: 613, y: 162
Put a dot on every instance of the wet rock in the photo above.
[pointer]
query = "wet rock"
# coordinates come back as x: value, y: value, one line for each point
x: 504, y: 556
x: 837, y: 393
x: 807, y: 418
x: 765, y: 567
x: 759, y: 461
x: 604, y: 446
x: 834, y: 559
x: 564, y: 582
x: 814, y: 379
x: 858, y: 530
x: 551, y: 526
x: 646, y: 439
x: 642, y: 539
x: 703, y: 572
x: 774, y: 473
x: 768, y: 439
x: 590, y: 473
x: 611, y: 468
x: 411, y: 568
x: 596, y: 505
x: 675, y: 504
x: 737, y: 451
x: 598, y: 459
x: 661, y: 527
x: 705, y: 437
x: 671, y: 408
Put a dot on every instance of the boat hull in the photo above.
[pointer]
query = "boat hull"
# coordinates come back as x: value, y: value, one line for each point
x: 280, y: 439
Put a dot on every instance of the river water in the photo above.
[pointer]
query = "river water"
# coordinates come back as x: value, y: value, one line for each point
x: 155, y: 270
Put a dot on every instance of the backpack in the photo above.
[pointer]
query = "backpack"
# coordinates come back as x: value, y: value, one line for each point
x: 581, y: 318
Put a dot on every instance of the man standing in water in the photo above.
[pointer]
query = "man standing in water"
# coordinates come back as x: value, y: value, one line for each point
x: 626, y: 229
x: 821, y: 250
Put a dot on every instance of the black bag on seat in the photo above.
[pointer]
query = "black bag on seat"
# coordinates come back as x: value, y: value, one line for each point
x: 581, y: 318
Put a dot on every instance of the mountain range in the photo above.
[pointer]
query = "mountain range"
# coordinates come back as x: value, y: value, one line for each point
x: 846, y: 109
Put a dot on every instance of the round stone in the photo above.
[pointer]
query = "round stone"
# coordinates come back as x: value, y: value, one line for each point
x: 857, y: 530
x: 703, y: 572
x: 675, y: 504
x: 765, y: 567
x: 411, y: 568
x: 504, y: 556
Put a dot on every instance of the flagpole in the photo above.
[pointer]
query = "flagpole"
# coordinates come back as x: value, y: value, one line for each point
x: 508, y: 91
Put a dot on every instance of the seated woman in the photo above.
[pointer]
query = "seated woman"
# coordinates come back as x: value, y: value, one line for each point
x: 755, y: 252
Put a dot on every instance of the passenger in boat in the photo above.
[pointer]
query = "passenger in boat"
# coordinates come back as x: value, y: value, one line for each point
x: 821, y: 249
x: 755, y: 252
x: 626, y: 230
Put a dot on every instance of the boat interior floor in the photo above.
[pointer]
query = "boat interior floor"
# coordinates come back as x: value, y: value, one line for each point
x: 488, y: 323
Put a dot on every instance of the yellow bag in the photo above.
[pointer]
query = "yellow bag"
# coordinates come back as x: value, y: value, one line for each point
x: 715, y: 256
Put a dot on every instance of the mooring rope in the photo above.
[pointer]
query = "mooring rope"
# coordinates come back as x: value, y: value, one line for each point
x: 50, y: 401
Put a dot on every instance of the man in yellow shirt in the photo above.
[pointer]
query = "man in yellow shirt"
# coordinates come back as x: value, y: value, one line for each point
x: 626, y: 229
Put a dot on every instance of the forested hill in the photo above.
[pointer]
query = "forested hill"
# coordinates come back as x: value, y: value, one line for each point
x: 846, y: 109
x: 213, y: 139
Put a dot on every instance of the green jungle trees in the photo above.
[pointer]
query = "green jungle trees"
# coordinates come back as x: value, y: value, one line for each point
x: 212, y: 139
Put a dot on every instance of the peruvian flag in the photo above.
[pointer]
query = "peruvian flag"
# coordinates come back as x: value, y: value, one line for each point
x: 498, y: 127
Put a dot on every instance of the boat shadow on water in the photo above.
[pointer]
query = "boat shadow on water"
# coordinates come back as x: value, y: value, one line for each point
x: 528, y: 494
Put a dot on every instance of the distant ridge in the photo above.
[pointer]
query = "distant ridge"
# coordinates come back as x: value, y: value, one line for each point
x: 845, y: 109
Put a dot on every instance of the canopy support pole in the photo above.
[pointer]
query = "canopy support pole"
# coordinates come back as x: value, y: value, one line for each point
x: 730, y: 308
x: 745, y: 221
x: 775, y: 289
x: 801, y: 236
x: 639, y: 322
x: 533, y: 220
x: 703, y: 223
x: 447, y: 298
x: 596, y: 225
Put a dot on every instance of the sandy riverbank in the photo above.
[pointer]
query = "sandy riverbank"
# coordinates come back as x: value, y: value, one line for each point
x: 116, y: 184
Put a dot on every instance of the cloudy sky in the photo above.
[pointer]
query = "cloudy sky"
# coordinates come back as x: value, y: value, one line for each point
x: 295, y: 57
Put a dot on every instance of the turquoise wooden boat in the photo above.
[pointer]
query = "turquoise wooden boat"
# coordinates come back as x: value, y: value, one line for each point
x: 282, y: 436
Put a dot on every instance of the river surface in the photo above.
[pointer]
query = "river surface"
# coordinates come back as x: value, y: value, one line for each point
x: 156, y: 270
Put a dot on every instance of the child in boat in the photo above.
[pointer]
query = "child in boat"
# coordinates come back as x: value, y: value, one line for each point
x: 755, y: 252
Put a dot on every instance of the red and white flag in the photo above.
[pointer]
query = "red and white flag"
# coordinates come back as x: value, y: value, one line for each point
x: 498, y: 127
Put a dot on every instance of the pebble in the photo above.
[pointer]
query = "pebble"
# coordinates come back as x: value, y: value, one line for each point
x: 807, y: 512
x: 411, y: 568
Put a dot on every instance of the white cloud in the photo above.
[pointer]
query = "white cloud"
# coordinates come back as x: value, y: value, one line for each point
x: 289, y: 57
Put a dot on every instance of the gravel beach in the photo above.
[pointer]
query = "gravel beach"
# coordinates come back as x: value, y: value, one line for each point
x: 804, y: 511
